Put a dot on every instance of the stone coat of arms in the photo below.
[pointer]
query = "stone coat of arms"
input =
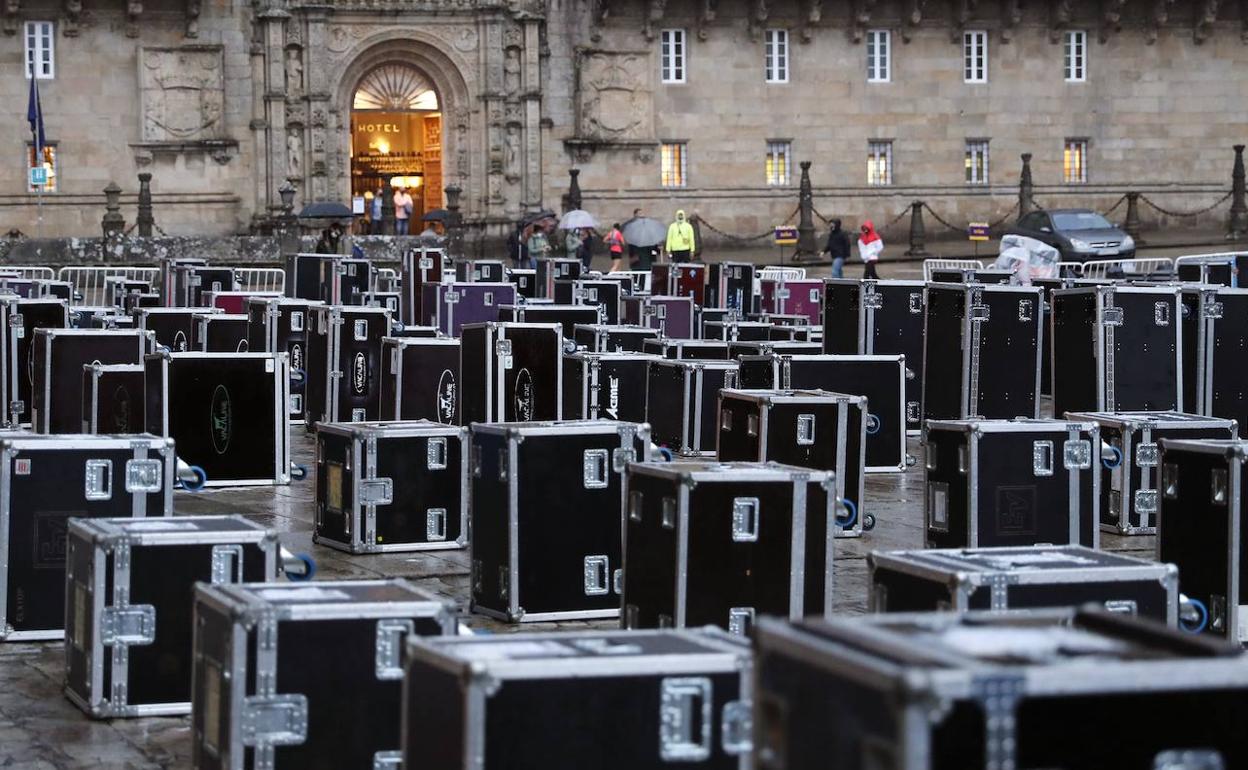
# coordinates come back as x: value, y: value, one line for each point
x: 183, y: 93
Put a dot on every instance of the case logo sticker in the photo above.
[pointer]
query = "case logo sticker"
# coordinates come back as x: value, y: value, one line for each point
x: 179, y: 342
x: 21, y: 466
x: 1016, y: 510
x: 121, y: 410
x: 524, y: 396
x: 51, y: 530
x: 446, y: 397
x: 222, y: 419
x: 359, y: 377
x: 296, y: 356
x: 613, y: 399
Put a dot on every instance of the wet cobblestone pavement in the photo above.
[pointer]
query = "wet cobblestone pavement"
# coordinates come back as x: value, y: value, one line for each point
x: 40, y: 729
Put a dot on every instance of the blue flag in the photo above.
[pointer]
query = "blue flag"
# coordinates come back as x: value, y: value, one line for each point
x: 34, y: 114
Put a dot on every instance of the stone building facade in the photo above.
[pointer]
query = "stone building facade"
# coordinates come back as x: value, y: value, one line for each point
x: 225, y: 102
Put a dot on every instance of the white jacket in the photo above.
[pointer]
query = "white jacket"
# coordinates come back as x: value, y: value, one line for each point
x: 870, y: 252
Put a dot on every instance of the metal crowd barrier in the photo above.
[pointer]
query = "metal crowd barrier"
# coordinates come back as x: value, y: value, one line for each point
x: 261, y: 279
x: 90, y: 282
x: 1128, y: 268
x: 29, y: 272
x: 949, y: 264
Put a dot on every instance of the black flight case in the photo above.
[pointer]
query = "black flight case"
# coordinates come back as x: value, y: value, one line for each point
x: 682, y: 403
x: 667, y: 347
x: 1026, y: 578
x: 604, y: 338
x: 304, y: 675
x: 545, y: 517
x: 420, y: 266
x: 57, y: 358
x: 730, y: 286
x: 722, y: 543
x: 512, y: 372
x: 45, y: 481
x: 19, y: 318
x: 174, y: 327
x: 1221, y: 377
x: 1012, y: 483
x: 129, y: 586
x: 607, y: 700
x: 421, y: 379
x: 113, y: 398
x: 391, y: 486
x: 567, y: 316
x: 344, y: 364
x: 981, y: 355
x: 605, y: 386
x: 280, y: 325
x: 806, y: 428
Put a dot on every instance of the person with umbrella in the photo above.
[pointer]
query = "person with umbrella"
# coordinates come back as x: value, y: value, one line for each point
x: 680, y: 241
x: 643, y: 236
x: 435, y: 223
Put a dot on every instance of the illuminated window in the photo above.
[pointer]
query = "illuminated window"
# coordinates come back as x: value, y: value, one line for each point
x: 977, y: 161
x: 975, y: 56
x: 778, y: 166
x: 672, y: 164
x: 49, y: 164
x: 776, y: 55
x: 1076, y: 56
x: 879, y: 43
x: 1075, y: 162
x: 672, y: 55
x: 879, y: 163
x: 40, y: 42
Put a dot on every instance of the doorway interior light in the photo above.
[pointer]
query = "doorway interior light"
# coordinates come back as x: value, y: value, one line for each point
x: 395, y: 88
x: 407, y: 182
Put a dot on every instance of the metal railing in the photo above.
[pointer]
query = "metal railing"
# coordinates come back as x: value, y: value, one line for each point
x: 930, y: 265
x: 29, y: 272
x: 1128, y: 268
x: 260, y: 279
x: 90, y: 283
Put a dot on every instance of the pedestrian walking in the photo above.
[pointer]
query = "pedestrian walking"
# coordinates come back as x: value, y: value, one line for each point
x: 537, y: 243
x: 402, y: 212
x: 378, y: 224
x: 837, y: 248
x: 586, y: 251
x: 572, y: 240
x: 615, y: 246
x: 870, y: 244
x: 680, y: 240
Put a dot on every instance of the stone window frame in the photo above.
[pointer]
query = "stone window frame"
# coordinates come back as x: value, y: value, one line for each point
x: 677, y: 151
x: 39, y: 39
x: 778, y: 149
x: 776, y: 56
x: 879, y: 66
x: 50, y: 148
x: 975, y: 56
x: 1075, y: 55
x: 977, y: 148
x: 879, y: 151
x: 1078, y: 174
x: 673, y: 56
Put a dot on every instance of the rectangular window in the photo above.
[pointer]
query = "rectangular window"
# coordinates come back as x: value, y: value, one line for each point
x: 1076, y: 56
x: 1075, y: 162
x: 672, y: 164
x: 977, y: 161
x: 878, y: 50
x: 49, y: 164
x: 776, y: 55
x: 879, y: 163
x: 40, y: 59
x: 975, y: 56
x: 778, y: 168
x: 672, y: 55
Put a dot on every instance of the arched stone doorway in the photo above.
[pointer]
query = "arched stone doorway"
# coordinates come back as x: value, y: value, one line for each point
x: 397, y: 136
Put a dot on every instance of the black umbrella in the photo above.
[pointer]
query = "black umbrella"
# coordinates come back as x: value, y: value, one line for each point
x: 538, y: 217
x: 325, y: 210
x: 436, y: 215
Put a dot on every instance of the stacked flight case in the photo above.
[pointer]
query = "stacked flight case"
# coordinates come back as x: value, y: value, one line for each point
x: 57, y: 358
x: 304, y: 675
x: 1130, y: 487
x: 344, y: 364
x: 46, y: 480
x: 538, y: 556
x: 724, y: 543
x: 682, y: 403
x: 422, y: 379
x: 227, y: 412
x: 129, y: 585
x: 1020, y: 579
x: 280, y: 325
x: 679, y: 279
x: 672, y: 316
x: 807, y: 428
x: 1222, y: 337
x: 174, y: 327
x: 391, y: 486
x: 551, y: 269
x: 19, y: 318
x: 874, y: 317
x: 113, y: 398
x: 981, y: 351
x: 1012, y: 483
x: 730, y: 286
x: 1119, y: 347
x: 602, y: 338
x: 798, y: 296
x: 512, y: 372
x: 611, y: 700
x: 450, y: 306
x: 567, y: 316
x: 420, y: 266
x: 946, y: 691
x: 605, y: 386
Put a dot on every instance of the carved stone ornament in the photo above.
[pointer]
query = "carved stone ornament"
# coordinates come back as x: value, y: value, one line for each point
x: 614, y: 96
x: 464, y: 39
x: 183, y: 93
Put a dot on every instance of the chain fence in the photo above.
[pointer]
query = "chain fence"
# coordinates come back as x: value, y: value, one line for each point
x: 702, y: 222
x: 1185, y: 214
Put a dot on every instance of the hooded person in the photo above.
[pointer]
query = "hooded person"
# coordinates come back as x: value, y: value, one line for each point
x: 837, y: 248
x: 680, y: 239
x: 870, y: 244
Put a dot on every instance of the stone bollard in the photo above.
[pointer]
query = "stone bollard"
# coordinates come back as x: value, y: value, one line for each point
x: 145, y: 220
x: 114, y: 223
x: 806, y: 245
x: 918, y: 233
x: 1026, y: 190
x: 574, y: 190
x: 1132, y: 223
x: 1237, y: 226
x: 387, y: 211
x: 454, y: 223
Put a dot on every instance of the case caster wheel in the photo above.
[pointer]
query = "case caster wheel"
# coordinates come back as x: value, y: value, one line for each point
x: 868, y: 522
x: 297, y: 567
x: 298, y: 472
x: 192, y: 478
x: 1114, y: 459
x: 851, y: 510
x: 298, y: 376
